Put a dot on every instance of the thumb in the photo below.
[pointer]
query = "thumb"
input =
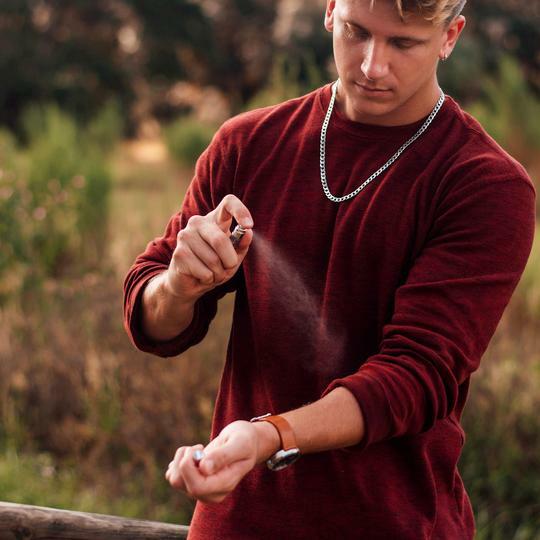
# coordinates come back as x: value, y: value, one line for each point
x: 243, y: 246
x: 211, y: 463
x: 219, y: 458
x: 232, y: 207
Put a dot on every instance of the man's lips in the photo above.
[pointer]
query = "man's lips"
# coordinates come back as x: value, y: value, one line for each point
x: 372, y: 89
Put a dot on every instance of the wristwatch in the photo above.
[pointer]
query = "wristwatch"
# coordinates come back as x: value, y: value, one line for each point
x: 289, y: 452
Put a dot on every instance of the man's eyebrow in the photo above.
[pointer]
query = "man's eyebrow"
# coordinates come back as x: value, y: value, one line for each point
x: 401, y: 38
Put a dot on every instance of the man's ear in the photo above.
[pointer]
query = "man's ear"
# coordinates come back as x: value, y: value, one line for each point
x: 329, y: 15
x: 452, y: 34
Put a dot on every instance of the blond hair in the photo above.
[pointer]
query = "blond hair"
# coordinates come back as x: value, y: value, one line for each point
x: 437, y: 11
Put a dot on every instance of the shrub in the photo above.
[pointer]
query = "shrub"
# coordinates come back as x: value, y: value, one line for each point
x: 509, y: 111
x: 290, y: 78
x: 54, y: 195
x: 187, y: 139
x: 105, y: 130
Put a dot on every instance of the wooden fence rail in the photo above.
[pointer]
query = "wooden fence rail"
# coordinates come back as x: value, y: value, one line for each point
x: 23, y: 522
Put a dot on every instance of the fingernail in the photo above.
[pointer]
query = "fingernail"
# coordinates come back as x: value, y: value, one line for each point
x: 209, y: 466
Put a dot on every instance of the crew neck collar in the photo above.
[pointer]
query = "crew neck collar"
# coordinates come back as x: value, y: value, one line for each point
x: 371, y: 131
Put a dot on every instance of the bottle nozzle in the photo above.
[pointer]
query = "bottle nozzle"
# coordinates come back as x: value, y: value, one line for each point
x: 237, y: 235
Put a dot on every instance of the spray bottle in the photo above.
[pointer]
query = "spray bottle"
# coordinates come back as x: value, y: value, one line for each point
x: 237, y: 235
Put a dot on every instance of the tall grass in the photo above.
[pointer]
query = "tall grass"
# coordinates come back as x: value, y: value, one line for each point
x: 502, y: 452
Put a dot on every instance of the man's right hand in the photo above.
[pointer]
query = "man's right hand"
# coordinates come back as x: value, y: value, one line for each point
x: 204, y: 256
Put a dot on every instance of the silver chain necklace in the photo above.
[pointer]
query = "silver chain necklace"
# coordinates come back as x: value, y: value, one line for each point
x: 324, y: 182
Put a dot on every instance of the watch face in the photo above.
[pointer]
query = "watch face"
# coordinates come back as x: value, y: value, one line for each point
x: 283, y: 458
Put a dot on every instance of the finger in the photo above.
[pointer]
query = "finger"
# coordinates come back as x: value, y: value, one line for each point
x: 243, y: 246
x: 207, y: 254
x: 220, y: 247
x: 223, y: 451
x: 232, y: 207
x: 223, y: 481
x: 191, y: 474
x: 173, y: 474
x: 216, y: 459
x: 188, y: 263
x: 179, y: 454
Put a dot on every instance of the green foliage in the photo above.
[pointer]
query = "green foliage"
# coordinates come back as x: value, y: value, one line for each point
x: 13, y: 247
x: 509, y: 110
x: 37, y: 479
x: 462, y: 75
x: 528, y: 291
x: 105, y: 129
x: 290, y: 78
x: 70, y: 184
x: 54, y: 195
x: 503, y: 438
x: 187, y: 139
x: 8, y: 147
x: 92, y: 208
x: 28, y: 479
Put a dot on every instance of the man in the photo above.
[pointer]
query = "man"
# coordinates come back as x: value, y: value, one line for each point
x: 403, y: 276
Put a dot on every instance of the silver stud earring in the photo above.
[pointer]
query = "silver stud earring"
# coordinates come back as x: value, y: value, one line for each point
x: 444, y: 57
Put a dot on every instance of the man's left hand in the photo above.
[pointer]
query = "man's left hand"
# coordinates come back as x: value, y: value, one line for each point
x: 227, y: 459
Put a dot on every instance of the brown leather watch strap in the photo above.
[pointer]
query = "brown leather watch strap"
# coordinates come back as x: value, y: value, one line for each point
x: 286, y: 434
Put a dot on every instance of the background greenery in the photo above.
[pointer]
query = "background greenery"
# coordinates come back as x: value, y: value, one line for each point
x: 104, y: 108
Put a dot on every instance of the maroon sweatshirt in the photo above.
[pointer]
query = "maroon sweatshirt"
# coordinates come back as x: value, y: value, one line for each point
x: 394, y: 295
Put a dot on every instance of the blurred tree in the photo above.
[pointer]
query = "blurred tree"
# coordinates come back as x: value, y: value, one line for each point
x: 60, y: 51
x: 300, y: 36
x: 495, y: 29
x: 242, y: 56
x: 511, y: 28
x: 79, y: 54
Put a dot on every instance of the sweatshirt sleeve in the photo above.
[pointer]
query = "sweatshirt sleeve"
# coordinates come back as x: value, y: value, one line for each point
x: 212, y: 181
x: 450, y: 304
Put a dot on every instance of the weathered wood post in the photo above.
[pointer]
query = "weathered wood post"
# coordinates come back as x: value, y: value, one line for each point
x: 23, y: 522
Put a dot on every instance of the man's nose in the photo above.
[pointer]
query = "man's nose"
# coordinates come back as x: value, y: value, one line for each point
x: 375, y: 64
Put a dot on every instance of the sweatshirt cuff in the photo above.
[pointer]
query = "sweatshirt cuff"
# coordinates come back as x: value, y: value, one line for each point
x: 172, y: 347
x: 373, y: 403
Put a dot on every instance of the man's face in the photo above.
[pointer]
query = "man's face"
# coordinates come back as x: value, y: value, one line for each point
x: 387, y: 66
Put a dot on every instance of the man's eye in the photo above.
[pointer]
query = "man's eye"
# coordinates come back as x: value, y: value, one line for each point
x: 403, y: 44
x: 356, y: 33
